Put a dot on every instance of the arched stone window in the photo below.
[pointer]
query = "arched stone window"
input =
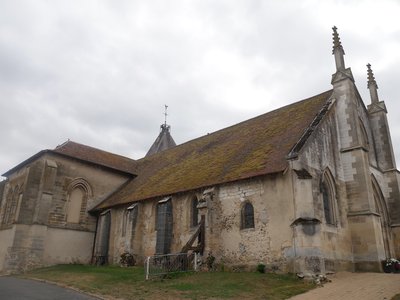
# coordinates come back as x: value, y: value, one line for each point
x: 328, y: 197
x: 194, y: 212
x: 79, y: 191
x: 247, y: 216
x: 327, y: 201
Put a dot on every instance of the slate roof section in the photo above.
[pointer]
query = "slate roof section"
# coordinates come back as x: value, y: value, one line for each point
x: 163, y: 142
x: 97, y: 156
x: 255, y: 147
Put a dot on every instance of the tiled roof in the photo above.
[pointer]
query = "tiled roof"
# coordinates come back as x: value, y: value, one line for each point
x: 87, y: 154
x: 255, y: 147
x: 97, y: 156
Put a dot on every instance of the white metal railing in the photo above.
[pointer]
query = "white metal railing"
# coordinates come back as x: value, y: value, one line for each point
x: 170, y: 263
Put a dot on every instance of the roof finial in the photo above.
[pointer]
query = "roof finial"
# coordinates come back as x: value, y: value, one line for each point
x: 372, y: 86
x: 165, y: 127
x: 338, y: 51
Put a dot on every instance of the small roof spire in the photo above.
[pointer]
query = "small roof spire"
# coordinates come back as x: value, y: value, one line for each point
x: 337, y: 50
x: 372, y: 85
x: 371, y: 77
x: 164, y: 140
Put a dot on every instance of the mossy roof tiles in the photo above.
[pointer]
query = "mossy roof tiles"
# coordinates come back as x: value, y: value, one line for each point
x: 252, y: 148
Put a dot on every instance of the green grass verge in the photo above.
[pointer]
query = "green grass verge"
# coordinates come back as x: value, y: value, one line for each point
x: 129, y: 283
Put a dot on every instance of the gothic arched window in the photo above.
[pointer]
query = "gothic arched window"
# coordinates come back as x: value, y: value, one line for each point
x: 247, y: 216
x: 327, y: 201
x: 328, y: 198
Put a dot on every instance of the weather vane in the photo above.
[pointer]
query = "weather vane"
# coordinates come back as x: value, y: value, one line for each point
x: 165, y: 114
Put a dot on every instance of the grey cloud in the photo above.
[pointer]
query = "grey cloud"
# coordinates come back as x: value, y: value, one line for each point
x: 100, y: 72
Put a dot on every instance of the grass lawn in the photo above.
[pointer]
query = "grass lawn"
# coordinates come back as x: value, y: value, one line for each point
x: 129, y: 283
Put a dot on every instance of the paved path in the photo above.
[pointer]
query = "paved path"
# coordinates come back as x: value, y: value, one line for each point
x: 23, y: 289
x: 356, y: 286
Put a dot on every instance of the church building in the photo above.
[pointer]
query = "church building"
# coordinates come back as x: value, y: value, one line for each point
x: 311, y: 187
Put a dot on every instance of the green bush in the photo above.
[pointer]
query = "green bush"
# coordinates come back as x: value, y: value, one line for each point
x: 261, y: 268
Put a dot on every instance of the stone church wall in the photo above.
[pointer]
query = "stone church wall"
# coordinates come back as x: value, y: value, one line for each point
x: 347, y: 151
x: 59, y: 249
x: 140, y: 238
x: 39, y: 233
x: 329, y: 248
x: 269, y: 242
x: 100, y: 181
x: 2, y: 186
x: 6, y: 238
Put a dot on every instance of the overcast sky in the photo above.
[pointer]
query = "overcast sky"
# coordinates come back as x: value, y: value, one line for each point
x: 99, y: 72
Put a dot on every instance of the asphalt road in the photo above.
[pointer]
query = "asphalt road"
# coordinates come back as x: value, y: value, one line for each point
x: 12, y: 288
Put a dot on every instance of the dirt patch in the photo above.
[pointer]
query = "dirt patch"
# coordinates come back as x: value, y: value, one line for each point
x: 356, y: 286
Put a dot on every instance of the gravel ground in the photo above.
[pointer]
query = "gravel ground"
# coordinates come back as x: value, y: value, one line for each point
x: 356, y: 286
